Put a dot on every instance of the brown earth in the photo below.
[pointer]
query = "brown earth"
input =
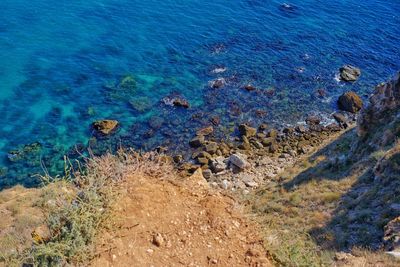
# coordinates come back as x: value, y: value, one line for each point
x: 178, y: 223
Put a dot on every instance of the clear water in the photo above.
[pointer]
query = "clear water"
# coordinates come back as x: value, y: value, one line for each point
x: 56, y: 57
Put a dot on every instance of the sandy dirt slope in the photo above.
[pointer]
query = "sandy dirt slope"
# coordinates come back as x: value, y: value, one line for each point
x: 170, y: 223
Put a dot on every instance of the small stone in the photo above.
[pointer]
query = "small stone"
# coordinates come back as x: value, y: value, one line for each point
x: 247, y: 130
x: 205, y: 131
x: 218, y: 164
x: 207, y: 173
x: 211, y: 147
x: 313, y: 120
x: 250, y: 87
x: 197, y: 141
x: 239, y: 161
x: 158, y: 240
x: 300, y: 129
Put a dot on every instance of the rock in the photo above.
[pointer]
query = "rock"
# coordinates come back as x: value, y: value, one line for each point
x: 211, y: 147
x: 181, y: 102
x: 350, y: 102
x: 197, y: 141
x: 218, y: 83
x: 176, y: 101
x: 321, y: 93
x: 205, y: 131
x: 340, y: 118
x: 127, y: 83
x: 215, y: 120
x: 349, y: 73
x: 263, y: 127
x: 272, y: 133
x: 249, y: 181
x: 239, y: 161
x: 247, y: 130
x: 158, y: 240
x: 392, y: 235
x: 300, y: 129
x: 218, y: 164
x: 250, y: 87
x: 385, y: 99
x: 105, y: 127
x: 141, y: 104
x: 313, y: 120
x: 207, y: 173
x: 288, y: 130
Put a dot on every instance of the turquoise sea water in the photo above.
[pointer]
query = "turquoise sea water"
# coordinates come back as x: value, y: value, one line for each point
x: 60, y: 61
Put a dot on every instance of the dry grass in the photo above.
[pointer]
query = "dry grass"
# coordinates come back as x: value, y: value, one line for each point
x: 297, y: 211
x: 77, y: 207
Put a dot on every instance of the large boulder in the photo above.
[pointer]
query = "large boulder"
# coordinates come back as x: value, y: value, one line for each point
x: 350, y: 102
x: 105, y: 127
x: 349, y: 73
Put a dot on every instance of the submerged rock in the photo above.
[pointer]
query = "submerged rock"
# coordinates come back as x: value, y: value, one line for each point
x: 249, y: 87
x: 128, y: 83
x: 218, y: 83
x: 350, y: 102
x: 349, y: 73
x: 105, y: 127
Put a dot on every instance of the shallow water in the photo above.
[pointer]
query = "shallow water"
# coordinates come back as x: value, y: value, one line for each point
x: 60, y: 60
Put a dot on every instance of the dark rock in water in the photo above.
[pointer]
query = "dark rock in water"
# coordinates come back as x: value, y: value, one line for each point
x: 215, y: 120
x: 247, y: 130
x: 218, y: 83
x: 105, y: 127
x: 349, y: 73
x: 321, y: 93
x: 313, y: 120
x: 197, y: 141
x: 260, y: 113
x: 250, y: 87
x: 350, y: 102
x: 177, y: 101
x: 181, y: 102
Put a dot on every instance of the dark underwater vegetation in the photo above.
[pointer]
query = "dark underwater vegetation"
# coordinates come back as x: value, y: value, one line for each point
x: 67, y: 64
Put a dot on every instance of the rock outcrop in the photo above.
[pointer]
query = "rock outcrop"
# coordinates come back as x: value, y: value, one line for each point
x: 384, y: 101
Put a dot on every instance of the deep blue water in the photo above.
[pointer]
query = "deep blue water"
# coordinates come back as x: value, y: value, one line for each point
x: 60, y: 60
